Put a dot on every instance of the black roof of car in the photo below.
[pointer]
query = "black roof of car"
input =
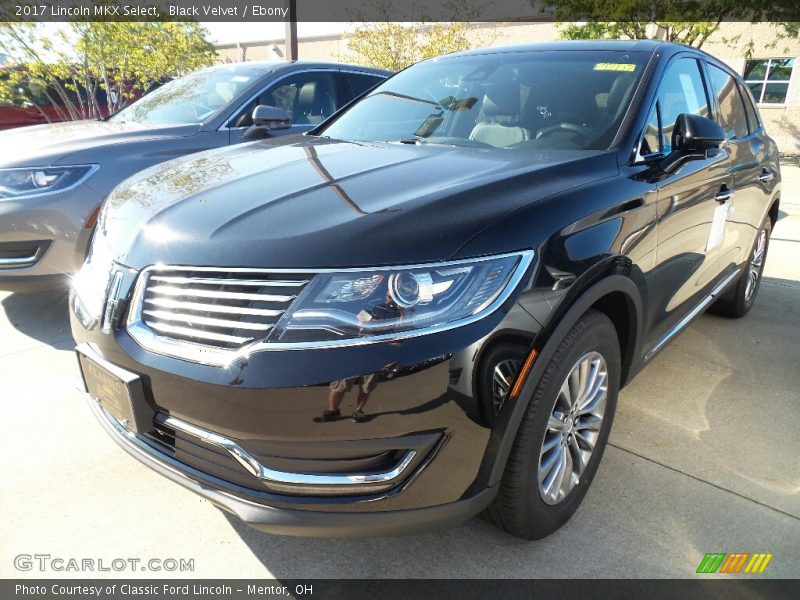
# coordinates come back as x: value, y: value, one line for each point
x: 586, y: 45
x: 652, y: 46
x: 268, y: 66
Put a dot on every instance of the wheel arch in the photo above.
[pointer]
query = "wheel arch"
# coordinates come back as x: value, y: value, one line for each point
x: 615, y: 295
x: 622, y: 312
x: 774, y: 211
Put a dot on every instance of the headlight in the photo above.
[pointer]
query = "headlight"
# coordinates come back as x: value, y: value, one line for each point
x: 36, y: 181
x: 366, y: 305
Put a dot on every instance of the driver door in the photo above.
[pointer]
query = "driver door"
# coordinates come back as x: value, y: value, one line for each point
x: 689, y: 201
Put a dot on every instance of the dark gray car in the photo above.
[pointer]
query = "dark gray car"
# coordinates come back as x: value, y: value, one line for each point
x: 53, y: 178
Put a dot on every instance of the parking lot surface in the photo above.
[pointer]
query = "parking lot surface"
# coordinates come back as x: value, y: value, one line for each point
x: 704, y: 457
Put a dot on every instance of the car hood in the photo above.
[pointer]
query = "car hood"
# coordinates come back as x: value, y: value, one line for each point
x: 44, y: 145
x: 308, y: 202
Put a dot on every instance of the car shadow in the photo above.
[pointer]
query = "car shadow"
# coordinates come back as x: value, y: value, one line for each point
x: 289, y: 557
x: 43, y: 317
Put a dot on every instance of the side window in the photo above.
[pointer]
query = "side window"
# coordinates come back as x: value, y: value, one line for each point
x: 750, y: 109
x: 360, y: 82
x: 310, y: 97
x: 732, y: 117
x: 682, y: 91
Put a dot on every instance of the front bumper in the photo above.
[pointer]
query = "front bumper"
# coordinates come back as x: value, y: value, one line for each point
x: 54, y: 223
x: 285, y: 521
x: 261, y: 413
x: 422, y: 409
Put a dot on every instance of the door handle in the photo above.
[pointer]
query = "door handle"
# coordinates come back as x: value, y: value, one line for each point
x: 723, y: 195
x: 766, y: 175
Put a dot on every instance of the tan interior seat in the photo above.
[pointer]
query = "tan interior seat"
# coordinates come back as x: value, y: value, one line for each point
x: 498, y: 135
x: 497, y: 123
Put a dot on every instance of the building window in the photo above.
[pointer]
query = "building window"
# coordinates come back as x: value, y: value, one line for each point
x: 768, y: 79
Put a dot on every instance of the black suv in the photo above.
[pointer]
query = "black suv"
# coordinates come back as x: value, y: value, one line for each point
x: 425, y: 307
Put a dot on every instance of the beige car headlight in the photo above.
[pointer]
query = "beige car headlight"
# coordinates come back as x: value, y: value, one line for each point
x: 26, y: 182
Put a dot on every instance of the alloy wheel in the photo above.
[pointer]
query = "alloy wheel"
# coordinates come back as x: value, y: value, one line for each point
x: 573, y: 428
x: 756, y: 265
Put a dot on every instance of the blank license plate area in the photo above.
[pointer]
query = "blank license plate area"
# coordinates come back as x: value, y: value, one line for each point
x: 111, y: 390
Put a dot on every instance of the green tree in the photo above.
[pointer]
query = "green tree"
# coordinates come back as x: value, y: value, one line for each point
x: 120, y: 59
x: 689, y: 33
x: 394, y: 46
x: 683, y: 21
x: 386, y: 44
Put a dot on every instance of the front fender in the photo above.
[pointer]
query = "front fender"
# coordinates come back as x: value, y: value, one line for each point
x: 556, y: 327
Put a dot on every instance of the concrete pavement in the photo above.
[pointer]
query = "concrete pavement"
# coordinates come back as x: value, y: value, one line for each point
x: 703, y: 458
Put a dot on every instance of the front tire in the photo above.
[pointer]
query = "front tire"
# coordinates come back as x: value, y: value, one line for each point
x: 737, y: 302
x: 563, y: 434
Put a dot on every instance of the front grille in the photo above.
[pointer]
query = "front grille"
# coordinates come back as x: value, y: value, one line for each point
x: 219, y: 308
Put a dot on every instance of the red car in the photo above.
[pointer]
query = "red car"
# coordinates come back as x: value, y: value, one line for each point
x: 38, y: 109
x: 16, y: 116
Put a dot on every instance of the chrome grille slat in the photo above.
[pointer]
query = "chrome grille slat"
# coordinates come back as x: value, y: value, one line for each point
x: 200, y: 293
x: 228, y: 281
x: 200, y: 320
x: 198, y: 333
x: 215, y: 308
x: 219, y: 309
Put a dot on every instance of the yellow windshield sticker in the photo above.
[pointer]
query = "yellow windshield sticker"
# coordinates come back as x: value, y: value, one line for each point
x: 615, y: 67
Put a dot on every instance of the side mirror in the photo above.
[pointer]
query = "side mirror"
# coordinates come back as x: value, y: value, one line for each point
x: 693, y: 137
x: 272, y: 117
x: 265, y: 119
x: 693, y: 134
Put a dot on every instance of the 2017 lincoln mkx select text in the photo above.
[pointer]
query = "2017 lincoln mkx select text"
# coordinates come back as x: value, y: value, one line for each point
x: 425, y: 307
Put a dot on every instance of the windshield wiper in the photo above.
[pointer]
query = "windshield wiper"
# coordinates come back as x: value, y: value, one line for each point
x: 409, y: 98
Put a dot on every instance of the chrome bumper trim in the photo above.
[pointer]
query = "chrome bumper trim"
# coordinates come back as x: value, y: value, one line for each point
x: 300, y: 484
x: 295, y: 482
x: 25, y: 261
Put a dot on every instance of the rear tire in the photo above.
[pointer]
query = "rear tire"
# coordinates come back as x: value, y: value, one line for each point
x: 526, y: 506
x: 738, y: 301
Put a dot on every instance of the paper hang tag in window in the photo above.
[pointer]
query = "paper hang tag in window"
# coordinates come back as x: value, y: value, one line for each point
x: 624, y: 67
x: 717, y: 232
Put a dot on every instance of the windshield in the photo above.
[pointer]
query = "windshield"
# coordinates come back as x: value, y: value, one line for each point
x: 512, y: 100
x: 191, y: 99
